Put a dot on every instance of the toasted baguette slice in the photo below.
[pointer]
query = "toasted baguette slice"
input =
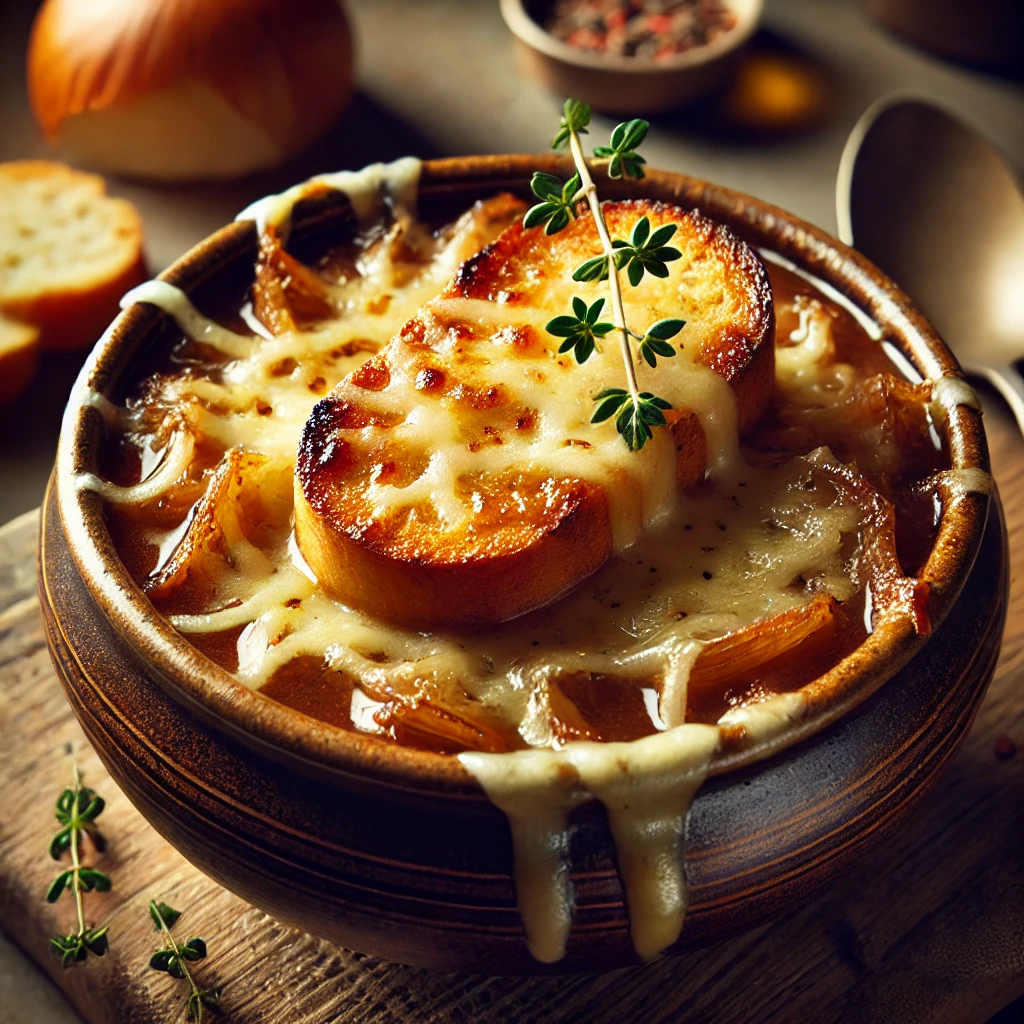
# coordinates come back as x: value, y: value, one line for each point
x: 68, y: 251
x: 456, y: 478
x: 19, y: 356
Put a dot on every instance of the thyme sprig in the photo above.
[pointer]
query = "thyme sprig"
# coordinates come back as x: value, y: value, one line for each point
x: 174, y: 957
x: 645, y: 252
x: 77, y: 810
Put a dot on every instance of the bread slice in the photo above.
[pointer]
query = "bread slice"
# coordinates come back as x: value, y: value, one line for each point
x: 68, y: 251
x: 456, y: 478
x: 19, y: 356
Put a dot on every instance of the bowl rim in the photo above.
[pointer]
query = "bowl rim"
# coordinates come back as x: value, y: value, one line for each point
x: 527, y: 31
x: 213, y: 693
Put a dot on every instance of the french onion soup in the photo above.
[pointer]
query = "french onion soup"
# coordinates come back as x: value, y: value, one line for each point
x: 371, y: 489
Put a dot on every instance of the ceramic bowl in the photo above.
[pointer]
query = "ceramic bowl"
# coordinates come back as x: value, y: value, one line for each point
x: 627, y: 85
x: 397, y: 852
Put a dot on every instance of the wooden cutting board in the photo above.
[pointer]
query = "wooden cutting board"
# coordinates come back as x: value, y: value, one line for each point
x: 929, y: 927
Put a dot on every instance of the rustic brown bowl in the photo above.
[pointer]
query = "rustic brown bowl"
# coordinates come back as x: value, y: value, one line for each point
x: 627, y: 85
x: 397, y: 852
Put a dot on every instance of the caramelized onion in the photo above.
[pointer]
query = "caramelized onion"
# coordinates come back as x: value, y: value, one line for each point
x: 421, y: 723
x: 245, y: 503
x: 891, y: 592
x: 286, y: 290
x: 744, y: 650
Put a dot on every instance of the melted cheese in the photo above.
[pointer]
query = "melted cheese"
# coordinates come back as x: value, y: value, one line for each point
x: 646, y: 786
x: 763, y: 723
x: 960, y: 482
x: 950, y: 392
x: 175, y: 460
x: 640, y: 485
x: 174, y: 301
x: 755, y: 544
x: 111, y: 413
x: 536, y: 789
x: 367, y: 190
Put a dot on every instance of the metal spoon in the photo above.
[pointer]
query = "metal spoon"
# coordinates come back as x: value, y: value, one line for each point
x: 926, y: 198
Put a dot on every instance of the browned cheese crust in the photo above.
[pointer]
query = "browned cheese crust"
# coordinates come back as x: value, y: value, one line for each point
x: 531, y: 536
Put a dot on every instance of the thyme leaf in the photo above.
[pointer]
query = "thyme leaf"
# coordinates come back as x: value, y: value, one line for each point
x: 575, y: 118
x: 558, y: 202
x: 655, y: 342
x: 633, y: 419
x: 580, y: 330
x: 646, y: 252
x: 623, y: 160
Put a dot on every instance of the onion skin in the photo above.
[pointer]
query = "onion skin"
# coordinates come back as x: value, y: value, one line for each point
x: 283, y: 67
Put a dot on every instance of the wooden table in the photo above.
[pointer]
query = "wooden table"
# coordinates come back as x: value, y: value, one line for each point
x: 929, y: 927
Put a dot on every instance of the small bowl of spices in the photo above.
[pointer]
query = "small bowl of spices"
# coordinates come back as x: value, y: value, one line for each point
x: 632, y: 56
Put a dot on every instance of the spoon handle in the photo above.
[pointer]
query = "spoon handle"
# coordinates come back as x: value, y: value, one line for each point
x: 1010, y: 384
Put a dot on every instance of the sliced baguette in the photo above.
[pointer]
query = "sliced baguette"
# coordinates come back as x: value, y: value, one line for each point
x: 19, y: 356
x: 455, y: 478
x: 68, y: 251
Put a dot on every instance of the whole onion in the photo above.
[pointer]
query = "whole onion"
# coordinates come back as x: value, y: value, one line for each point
x: 185, y: 89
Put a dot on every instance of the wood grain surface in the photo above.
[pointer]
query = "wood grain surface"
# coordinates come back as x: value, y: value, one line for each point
x: 928, y: 927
